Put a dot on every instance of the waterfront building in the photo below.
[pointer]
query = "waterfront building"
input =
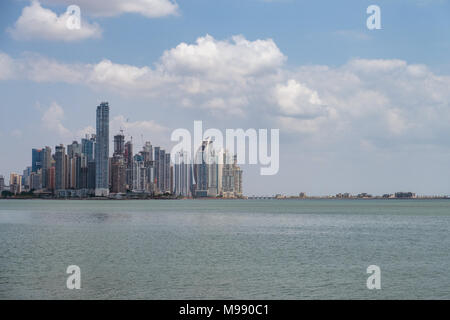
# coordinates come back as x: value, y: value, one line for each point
x: 2, y: 183
x: 102, y: 150
x: 60, y: 167
x: 201, y: 170
x: 36, y: 159
x: 74, y: 155
x: 26, y: 179
x: 118, y: 171
x: 160, y: 171
x: 88, y: 147
x: 139, y: 174
x: 91, y: 176
x: 167, y: 174
x: 237, y: 171
x: 128, y: 155
x: 47, y: 159
x: 36, y: 180
x: 182, y: 172
x: 15, y: 183
x: 118, y: 175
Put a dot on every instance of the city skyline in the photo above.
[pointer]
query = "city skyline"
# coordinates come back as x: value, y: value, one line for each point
x: 87, y: 169
x: 358, y: 110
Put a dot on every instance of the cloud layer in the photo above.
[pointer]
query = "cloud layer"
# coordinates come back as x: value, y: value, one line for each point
x: 40, y: 23
x: 370, y: 102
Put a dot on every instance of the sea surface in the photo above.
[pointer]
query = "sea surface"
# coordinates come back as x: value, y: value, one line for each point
x: 225, y: 249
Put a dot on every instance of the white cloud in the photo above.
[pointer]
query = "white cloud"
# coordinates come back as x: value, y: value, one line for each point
x: 86, y: 131
x: 298, y: 100
x: 37, y: 22
x: 222, y: 59
x: 109, y: 8
x: 52, y: 120
x: 375, y: 101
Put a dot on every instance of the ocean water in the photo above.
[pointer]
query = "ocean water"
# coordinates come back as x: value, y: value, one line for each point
x: 225, y: 249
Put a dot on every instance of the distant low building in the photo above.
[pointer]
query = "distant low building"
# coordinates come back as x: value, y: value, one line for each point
x: 405, y: 195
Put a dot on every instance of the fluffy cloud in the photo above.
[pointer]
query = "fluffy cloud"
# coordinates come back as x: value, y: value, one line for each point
x: 52, y: 120
x: 375, y: 101
x: 298, y: 100
x: 222, y: 59
x: 108, y: 8
x: 37, y: 22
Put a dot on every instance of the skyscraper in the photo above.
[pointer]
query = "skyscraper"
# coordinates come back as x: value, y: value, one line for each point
x: 182, y: 174
x: 15, y: 183
x: 129, y: 164
x: 36, y: 159
x: 60, y: 167
x: 118, y: 171
x: 73, y: 164
x: 167, y: 174
x: 87, y: 147
x: 46, y: 165
x: 102, y: 151
x: 201, y: 169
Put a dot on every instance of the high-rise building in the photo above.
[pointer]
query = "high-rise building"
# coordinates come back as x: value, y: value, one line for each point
x: 139, y: 174
x: 167, y: 174
x: 26, y: 179
x: 119, y: 144
x: 118, y: 170
x: 102, y: 151
x: 60, y: 168
x: 149, y: 165
x: 36, y: 180
x: 36, y: 159
x: 118, y: 175
x: 237, y: 171
x: 51, y: 177
x: 46, y: 165
x: 15, y: 183
x: 202, y: 169
x: 227, y: 177
x: 74, y: 164
x: 129, y: 164
x: 182, y: 172
x: 91, y: 176
x: 160, y: 170
x: 88, y: 147
x: 231, y: 178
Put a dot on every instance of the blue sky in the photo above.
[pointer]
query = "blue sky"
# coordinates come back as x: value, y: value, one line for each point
x: 379, y: 123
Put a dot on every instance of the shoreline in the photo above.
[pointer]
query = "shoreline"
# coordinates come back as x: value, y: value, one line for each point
x: 209, y: 199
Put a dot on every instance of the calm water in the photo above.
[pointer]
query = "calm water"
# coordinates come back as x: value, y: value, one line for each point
x: 254, y: 249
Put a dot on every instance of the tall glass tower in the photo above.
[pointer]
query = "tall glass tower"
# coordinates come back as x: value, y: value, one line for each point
x: 102, y: 151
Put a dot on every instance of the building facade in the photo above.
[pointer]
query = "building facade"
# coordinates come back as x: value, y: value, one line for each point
x: 102, y: 150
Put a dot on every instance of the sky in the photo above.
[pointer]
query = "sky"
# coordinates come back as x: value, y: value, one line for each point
x: 358, y: 110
